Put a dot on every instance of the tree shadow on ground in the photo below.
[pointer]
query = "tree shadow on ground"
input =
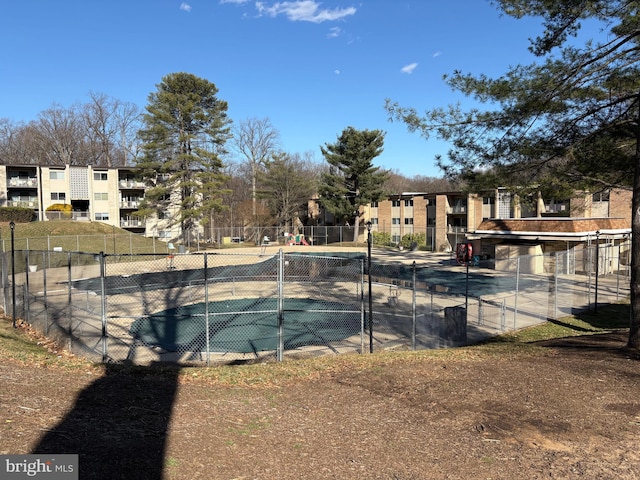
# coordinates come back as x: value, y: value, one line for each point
x: 599, y: 344
x: 119, y: 424
x: 612, y: 322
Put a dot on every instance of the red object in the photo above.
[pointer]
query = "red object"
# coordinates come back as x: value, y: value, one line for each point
x: 464, y: 253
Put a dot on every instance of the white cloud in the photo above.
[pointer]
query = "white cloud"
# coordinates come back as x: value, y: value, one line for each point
x: 437, y: 54
x: 334, y: 32
x: 185, y: 6
x: 409, y: 68
x: 336, y: 71
x: 304, y: 11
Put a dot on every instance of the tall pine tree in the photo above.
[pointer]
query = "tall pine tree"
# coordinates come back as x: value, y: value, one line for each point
x: 183, y: 137
x: 352, y: 181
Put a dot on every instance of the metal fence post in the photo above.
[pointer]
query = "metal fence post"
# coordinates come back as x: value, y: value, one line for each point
x: 555, y: 287
x: 45, y: 262
x: 595, y: 308
x: 206, y: 307
x: 618, y: 271
x: 362, y: 310
x: 26, y: 302
x: 280, y: 349
x: 413, y: 309
x: 5, y: 280
x: 12, y: 226
x: 103, y: 307
x: 515, y: 306
x: 69, y: 298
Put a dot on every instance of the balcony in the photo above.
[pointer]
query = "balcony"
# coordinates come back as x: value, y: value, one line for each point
x: 132, y: 223
x: 131, y: 204
x: 457, y: 209
x: 456, y: 229
x: 132, y: 184
x: 23, y: 182
x: 22, y: 203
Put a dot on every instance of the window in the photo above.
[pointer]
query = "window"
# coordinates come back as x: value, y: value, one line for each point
x: 164, y: 234
x: 395, y: 203
x: 395, y: 238
x: 102, y: 216
x: 601, y: 197
x: 408, y: 202
x: 408, y: 221
x: 101, y: 196
x: 395, y: 221
x: 61, y: 196
x: 488, y: 200
x: 56, y: 175
x: 374, y: 221
x: 99, y: 176
x: 374, y: 204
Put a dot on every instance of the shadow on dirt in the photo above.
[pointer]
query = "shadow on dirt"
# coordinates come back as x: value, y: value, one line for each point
x: 118, y: 424
x: 601, y: 345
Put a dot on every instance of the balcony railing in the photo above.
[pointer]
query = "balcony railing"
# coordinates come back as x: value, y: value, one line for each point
x: 130, y: 204
x: 81, y: 215
x: 23, y: 182
x: 131, y: 184
x: 457, y: 209
x: 22, y: 203
x: 132, y: 223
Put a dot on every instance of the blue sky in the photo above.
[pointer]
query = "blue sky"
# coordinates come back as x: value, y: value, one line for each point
x: 313, y: 67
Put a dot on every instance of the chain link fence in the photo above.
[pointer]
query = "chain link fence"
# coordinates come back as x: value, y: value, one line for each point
x: 221, y: 308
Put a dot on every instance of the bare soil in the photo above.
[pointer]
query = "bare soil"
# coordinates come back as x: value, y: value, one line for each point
x: 570, y: 409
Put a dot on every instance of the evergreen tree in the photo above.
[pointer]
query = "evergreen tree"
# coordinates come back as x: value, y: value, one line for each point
x: 570, y: 120
x: 352, y: 181
x: 183, y: 135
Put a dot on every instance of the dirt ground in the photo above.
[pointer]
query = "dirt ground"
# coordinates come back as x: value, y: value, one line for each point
x: 571, y: 410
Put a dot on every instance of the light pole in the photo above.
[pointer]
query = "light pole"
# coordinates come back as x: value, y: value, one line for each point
x: 368, y: 224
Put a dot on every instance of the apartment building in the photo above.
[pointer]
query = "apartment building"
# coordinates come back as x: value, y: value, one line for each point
x: 448, y: 218
x: 108, y: 195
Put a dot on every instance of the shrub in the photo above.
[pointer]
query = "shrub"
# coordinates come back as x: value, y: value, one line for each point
x: 63, y: 211
x: 410, y: 239
x: 381, y: 238
x: 17, y: 214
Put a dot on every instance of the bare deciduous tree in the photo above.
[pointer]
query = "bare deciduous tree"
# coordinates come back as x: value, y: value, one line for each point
x: 255, y: 140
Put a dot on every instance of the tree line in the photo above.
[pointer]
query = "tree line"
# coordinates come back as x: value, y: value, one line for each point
x: 199, y: 165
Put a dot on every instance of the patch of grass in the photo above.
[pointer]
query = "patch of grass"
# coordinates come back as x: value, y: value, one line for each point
x: 26, y: 346
x: 608, y: 317
x: 76, y: 236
